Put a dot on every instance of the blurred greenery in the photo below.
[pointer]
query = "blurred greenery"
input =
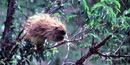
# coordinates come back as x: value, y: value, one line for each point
x: 101, y: 17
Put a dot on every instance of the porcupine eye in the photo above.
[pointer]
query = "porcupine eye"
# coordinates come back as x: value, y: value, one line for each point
x: 62, y: 32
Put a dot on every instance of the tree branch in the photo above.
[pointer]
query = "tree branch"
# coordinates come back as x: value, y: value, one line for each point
x: 104, y: 41
x: 18, y: 37
x: 82, y: 59
x: 67, y: 54
x: 93, y: 49
x: 9, y: 18
x: 58, y: 7
x: 7, y: 41
x: 65, y: 41
x: 120, y: 45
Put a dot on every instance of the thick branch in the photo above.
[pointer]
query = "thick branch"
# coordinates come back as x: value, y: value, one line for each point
x: 9, y: 18
x: 93, y: 49
x: 7, y: 42
x: 105, y: 40
x: 82, y: 59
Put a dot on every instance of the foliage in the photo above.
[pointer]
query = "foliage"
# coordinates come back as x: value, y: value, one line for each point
x: 93, y: 22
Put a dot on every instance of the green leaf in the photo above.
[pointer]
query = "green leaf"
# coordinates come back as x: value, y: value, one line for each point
x: 55, y: 49
x: 126, y: 12
x: 95, y: 36
x: 86, y: 45
x: 117, y: 3
x: 14, y: 61
x: 102, y: 0
x: 110, y: 60
x: 13, y: 35
x: 85, y: 5
x: 124, y: 47
x: 97, y: 6
x: 17, y: 43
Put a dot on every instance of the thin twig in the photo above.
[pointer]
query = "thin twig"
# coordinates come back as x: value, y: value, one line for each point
x: 27, y: 1
x: 65, y: 41
x: 114, y: 55
x: 80, y: 31
x: 18, y: 6
x: 58, y: 7
x: 49, y: 62
x: 47, y: 9
x: 53, y: 55
x: 67, y: 54
x: 120, y: 45
x: 74, y: 30
x: 70, y: 63
x: 18, y: 38
x: 124, y: 4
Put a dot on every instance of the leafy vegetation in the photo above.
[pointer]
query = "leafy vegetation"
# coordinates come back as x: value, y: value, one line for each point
x: 97, y: 31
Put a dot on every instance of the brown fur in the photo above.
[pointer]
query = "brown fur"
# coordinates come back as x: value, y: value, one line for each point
x: 43, y: 26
